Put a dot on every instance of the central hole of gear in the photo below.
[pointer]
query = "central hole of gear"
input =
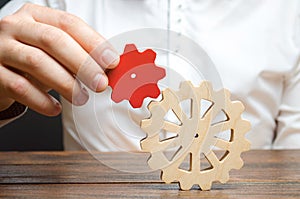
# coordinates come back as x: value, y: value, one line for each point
x: 133, y: 76
x: 196, y: 135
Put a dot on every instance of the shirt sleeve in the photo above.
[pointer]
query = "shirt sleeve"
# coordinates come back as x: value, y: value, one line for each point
x: 288, y: 120
x: 287, y: 135
x: 15, y: 111
x: 13, y: 5
x: 4, y: 122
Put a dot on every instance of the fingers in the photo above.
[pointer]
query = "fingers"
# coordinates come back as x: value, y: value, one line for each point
x: 65, y: 50
x: 20, y: 89
x: 89, y: 39
x: 46, y: 73
x: 51, y: 47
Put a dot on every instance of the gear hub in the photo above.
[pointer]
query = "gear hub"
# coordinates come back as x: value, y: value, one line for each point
x: 195, y: 135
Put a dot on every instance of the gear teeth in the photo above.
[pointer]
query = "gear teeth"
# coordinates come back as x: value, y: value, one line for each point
x: 237, y: 105
x: 239, y: 163
x: 136, y: 76
x: 246, y: 145
x: 149, y: 55
x: 244, y: 126
x: 186, y: 85
x: 185, y: 186
x: 225, y: 177
x: 166, y: 177
x: 148, y: 127
x: 154, y: 105
x: 171, y: 170
x: 168, y: 94
x: 227, y: 93
x: 205, y: 186
x: 203, y: 90
x: 145, y: 123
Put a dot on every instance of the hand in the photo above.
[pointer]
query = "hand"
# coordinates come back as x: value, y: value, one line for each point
x: 43, y: 49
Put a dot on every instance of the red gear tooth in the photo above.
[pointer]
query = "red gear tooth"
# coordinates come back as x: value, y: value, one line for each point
x: 149, y: 56
x: 129, y: 47
x: 135, y: 89
x: 136, y: 99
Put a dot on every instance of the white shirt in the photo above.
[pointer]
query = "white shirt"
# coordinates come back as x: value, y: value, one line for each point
x: 254, y: 45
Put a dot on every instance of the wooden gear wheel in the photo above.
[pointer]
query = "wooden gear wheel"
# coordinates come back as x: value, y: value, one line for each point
x: 195, y: 135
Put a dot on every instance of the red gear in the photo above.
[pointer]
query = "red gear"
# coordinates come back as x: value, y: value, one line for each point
x: 136, y: 76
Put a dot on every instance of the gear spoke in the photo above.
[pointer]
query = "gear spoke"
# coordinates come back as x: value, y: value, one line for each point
x: 212, y: 159
x: 195, y: 162
x: 169, y: 143
x: 189, y: 140
x: 208, y: 112
x: 219, y: 127
x: 179, y: 113
x: 222, y: 144
x: 171, y: 127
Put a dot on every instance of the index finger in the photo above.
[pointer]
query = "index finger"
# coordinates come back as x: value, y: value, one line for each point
x: 104, y: 54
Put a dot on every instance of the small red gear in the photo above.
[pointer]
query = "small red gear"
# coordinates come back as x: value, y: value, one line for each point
x: 136, y: 76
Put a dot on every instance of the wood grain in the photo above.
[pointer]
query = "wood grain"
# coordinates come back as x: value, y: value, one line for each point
x: 266, y: 174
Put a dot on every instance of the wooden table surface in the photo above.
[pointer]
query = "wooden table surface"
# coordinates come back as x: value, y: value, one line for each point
x: 266, y: 174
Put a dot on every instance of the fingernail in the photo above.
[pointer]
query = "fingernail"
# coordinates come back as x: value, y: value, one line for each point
x: 100, y: 82
x: 109, y: 57
x: 82, y: 97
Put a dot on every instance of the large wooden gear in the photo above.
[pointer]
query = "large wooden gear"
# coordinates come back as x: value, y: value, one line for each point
x: 195, y: 136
